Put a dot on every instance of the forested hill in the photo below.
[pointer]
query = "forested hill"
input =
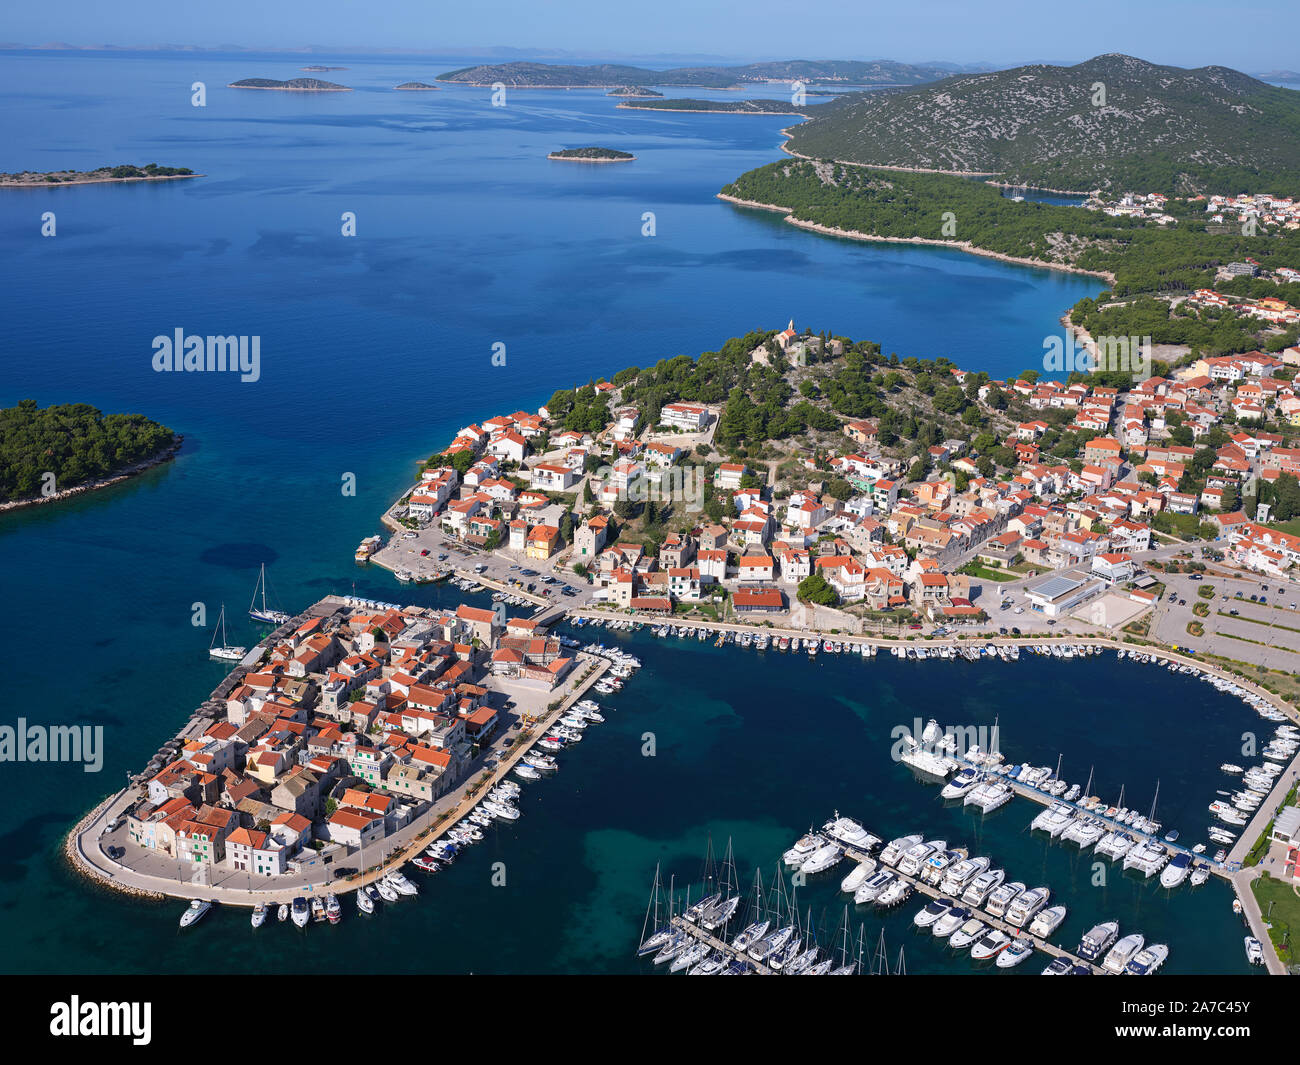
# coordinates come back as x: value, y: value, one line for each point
x: 1145, y: 260
x: 1113, y: 122
x: 75, y: 442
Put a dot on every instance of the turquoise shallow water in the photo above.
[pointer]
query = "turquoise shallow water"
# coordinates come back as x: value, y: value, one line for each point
x: 374, y: 351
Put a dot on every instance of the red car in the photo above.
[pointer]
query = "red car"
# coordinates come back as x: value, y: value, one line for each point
x: 424, y: 552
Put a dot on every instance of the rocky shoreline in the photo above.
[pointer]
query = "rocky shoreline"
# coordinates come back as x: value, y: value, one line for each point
x: 958, y: 245
x: 166, y: 455
x: 40, y: 183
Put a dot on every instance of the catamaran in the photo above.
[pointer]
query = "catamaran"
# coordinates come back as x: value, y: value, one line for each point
x: 264, y: 613
x: 223, y: 650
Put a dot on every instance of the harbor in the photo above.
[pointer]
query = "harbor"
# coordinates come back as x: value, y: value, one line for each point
x: 721, y: 935
x: 434, y: 839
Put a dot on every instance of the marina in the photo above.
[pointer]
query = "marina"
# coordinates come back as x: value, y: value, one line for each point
x: 664, y: 681
x: 1009, y: 929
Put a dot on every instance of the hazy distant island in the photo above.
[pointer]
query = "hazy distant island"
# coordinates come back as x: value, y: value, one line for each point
x: 876, y: 73
x: 121, y: 172
x: 723, y: 107
x: 292, y: 85
x: 633, y: 90
x: 50, y: 453
x: 318, y: 69
x: 417, y: 86
x: 592, y: 155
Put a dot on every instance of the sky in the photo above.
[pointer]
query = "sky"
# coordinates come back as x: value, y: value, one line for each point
x: 1004, y: 32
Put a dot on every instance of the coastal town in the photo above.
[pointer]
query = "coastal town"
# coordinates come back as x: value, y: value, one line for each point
x: 361, y: 735
x: 357, y: 726
x: 1087, y: 482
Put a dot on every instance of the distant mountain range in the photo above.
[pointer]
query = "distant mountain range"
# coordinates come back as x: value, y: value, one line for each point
x: 611, y: 75
x: 1113, y: 122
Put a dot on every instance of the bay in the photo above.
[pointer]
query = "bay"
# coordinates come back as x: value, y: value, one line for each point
x: 375, y: 349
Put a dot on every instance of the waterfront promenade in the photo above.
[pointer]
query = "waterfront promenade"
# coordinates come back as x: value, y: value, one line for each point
x: 158, y: 876
x: 161, y: 877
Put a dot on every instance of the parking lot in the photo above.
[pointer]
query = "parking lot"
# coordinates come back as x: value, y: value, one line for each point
x: 1264, y: 630
x: 428, y: 551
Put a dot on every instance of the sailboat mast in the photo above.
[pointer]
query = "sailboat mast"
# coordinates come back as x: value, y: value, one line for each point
x: 654, y: 902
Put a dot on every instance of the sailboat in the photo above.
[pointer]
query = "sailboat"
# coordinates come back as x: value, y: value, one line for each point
x: 224, y: 651
x: 659, y: 933
x: 262, y: 613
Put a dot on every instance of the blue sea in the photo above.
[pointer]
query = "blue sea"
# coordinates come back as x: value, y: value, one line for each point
x: 375, y: 349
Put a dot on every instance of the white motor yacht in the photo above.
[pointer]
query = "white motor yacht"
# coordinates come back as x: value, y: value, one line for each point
x: 917, y: 855
x: 931, y: 912
x: 871, y: 888
x: 1017, y: 951
x: 959, y: 785
x: 989, y: 796
x: 961, y: 873
x: 937, y: 865
x: 301, y: 912
x: 1147, y: 960
x: 848, y: 832
x: 195, y: 912
x: 1047, y: 921
x: 967, y: 934
x: 982, y: 886
x: 989, y: 945
x: 896, y: 848
x: 1097, y: 940
x: 1025, y: 905
x: 950, y: 922
x: 855, y: 879
x: 894, y: 893
x: 1176, y: 871
x: 1123, y: 952
x: 822, y: 859
x: 803, y: 849
x: 1002, y: 897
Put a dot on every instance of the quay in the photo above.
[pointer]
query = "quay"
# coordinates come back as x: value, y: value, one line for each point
x: 930, y: 890
x: 933, y: 892
x: 84, y: 845
x: 726, y: 949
